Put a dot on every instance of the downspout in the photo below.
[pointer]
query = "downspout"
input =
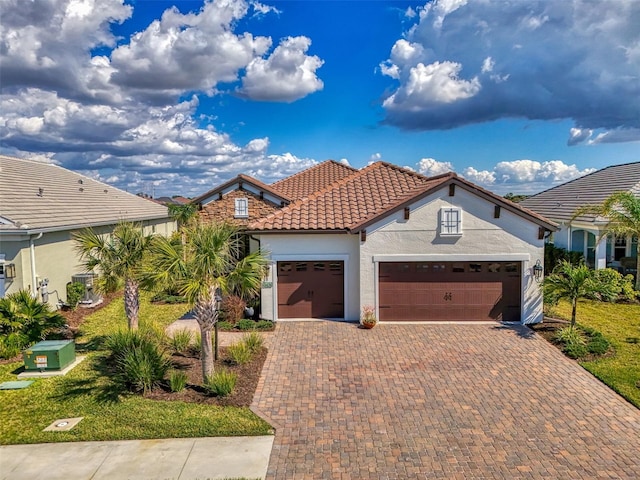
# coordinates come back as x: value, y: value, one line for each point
x: 32, y: 257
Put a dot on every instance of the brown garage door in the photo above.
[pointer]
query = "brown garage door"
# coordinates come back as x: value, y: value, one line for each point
x: 311, y: 289
x: 455, y: 291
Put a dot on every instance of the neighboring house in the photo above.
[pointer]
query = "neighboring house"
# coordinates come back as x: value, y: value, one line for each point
x: 585, y: 233
x: 41, y: 205
x: 416, y: 248
x: 176, y: 200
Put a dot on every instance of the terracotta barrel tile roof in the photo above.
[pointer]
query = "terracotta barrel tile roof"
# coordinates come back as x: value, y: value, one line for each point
x: 351, y: 201
x: 313, y: 179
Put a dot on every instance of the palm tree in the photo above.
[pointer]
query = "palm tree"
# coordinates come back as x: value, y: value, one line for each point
x: 183, y: 214
x: 25, y: 316
x: 573, y: 282
x: 119, y: 258
x: 205, y: 266
x: 622, y: 210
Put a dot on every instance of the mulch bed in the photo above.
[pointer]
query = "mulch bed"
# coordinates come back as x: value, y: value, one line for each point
x: 242, y: 395
x: 548, y: 328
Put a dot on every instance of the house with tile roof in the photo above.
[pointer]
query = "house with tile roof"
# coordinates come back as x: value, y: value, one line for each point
x: 41, y: 204
x: 585, y: 233
x: 415, y: 248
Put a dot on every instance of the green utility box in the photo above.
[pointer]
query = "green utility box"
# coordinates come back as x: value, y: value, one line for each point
x: 50, y: 355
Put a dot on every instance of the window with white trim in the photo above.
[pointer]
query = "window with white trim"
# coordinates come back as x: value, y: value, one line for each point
x: 450, y: 221
x: 242, y: 208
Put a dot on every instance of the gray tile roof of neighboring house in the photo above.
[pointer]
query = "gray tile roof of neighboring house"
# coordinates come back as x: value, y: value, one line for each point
x: 41, y: 196
x: 559, y: 203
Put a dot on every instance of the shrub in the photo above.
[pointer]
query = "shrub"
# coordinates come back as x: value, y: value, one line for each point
x: 246, y: 324
x: 572, y: 341
x: 239, y: 353
x: 177, y: 380
x: 582, y: 341
x: 554, y: 255
x: 140, y: 361
x: 155, y: 331
x: 232, y: 309
x: 225, y: 326
x: 75, y: 291
x: 181, y: 340
x: 621, y: 285
x: 12, y: 344
x: 597, y: 344
x: 23, y: 314
x: 264, y: 325
x: 221, y: 383
x: 253, y: 341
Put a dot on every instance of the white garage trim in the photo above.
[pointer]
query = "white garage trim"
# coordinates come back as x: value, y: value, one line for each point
x: 454, y: 257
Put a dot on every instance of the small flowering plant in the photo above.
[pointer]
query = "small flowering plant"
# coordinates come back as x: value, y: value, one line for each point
x: 368, y: 318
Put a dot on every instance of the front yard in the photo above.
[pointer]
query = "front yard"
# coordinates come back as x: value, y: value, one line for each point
x: 620, y: 324
x: 87, y: 391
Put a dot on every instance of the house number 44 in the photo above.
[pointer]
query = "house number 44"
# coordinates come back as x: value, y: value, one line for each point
x: 448, y: 296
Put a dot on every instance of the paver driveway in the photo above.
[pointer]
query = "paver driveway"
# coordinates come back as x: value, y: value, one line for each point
x: 438, y: 401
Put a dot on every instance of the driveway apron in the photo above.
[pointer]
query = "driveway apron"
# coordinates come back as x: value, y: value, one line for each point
x: 438, y: 401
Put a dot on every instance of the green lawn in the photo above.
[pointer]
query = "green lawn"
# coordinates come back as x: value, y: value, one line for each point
x: 109, y: 415
x: 620, y: 324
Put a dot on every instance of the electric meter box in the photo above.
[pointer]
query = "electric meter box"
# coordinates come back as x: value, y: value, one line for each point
x: 50, y: 355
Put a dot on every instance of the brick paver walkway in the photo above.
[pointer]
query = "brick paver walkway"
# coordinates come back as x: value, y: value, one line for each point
x: 438, y: 401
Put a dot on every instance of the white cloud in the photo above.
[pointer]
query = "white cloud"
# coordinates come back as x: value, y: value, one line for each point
x: 344, y: 161
x: 481, y: 177
x: 115, y: 114
x: 519, y: 176
x: 193, y: 51
x: 375, y: 157
x: 591, y: 137
x: 487, y: 65
x: 288, y: 74
x: 540, y: 60
x: 442, y: 8
x: 410, y: 12
x: 431, y: 167
x: 526, y: 176
x: 428, y: 85
x: 262, y: 9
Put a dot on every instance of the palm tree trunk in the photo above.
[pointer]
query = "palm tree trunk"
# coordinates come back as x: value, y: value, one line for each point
x: 131, y: 302
x: 206, y: 313
x: 574, y: 307
x: 207, y: 353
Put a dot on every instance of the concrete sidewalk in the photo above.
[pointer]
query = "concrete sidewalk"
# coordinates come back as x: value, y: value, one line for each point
x: 179, y: 458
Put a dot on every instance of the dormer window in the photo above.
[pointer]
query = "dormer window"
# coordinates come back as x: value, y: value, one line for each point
x: 450, y: 221
x: 242, y: 208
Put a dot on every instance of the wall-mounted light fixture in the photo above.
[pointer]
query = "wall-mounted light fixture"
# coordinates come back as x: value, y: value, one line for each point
x: 9, y: 270
x: 537, y: 271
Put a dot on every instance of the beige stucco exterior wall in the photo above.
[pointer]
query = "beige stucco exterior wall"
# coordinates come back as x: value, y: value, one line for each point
x: 509, y: 237
x: 291, y: 247
x: 55, y: 258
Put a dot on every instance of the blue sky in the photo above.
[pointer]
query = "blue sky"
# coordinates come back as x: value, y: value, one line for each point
x: 176, y: 97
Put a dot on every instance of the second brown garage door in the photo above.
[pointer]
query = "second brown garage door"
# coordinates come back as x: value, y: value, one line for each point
x: 311, y: 289
x: 454, y: 291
